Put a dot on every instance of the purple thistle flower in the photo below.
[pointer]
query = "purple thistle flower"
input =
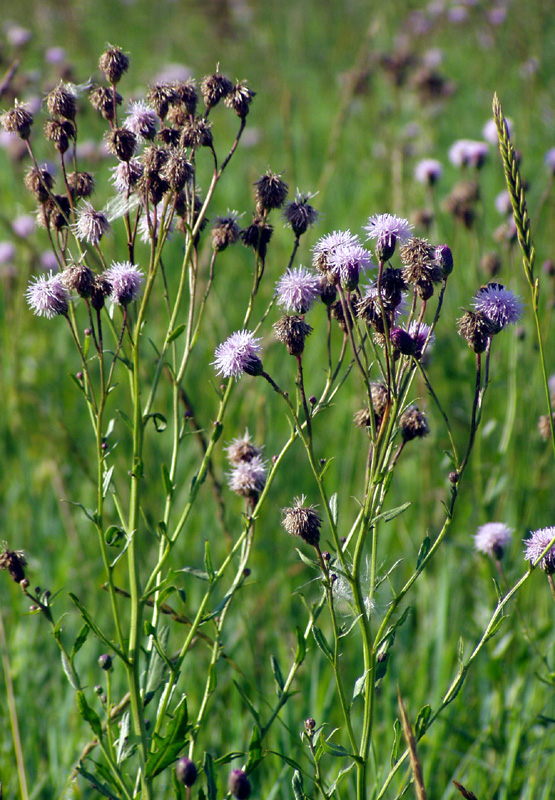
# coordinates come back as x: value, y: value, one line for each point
x: 498, y: 304
x: 420, y: 332
x: 126, y: 280
x: 535, y: 546
x: 47, y: 296
x: 347, y: 261
x: 297, y: 290
x: 126, y: 174
x: 23, y: 226
x: 328, y: 244
x: 492, y: 539
x: 385, y: 225
x: 91, y: 225
x: 141, y: 119
x: 428, y: 171
x: 549, y: 160
x: 248, y: 478
x: 468, y: 153
x: 239, y: 353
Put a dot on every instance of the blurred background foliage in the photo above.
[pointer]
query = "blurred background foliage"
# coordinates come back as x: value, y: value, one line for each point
x: 350, y: 96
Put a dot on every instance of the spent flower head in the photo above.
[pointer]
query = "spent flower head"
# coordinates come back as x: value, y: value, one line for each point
x: 126, y: 280
x: 91, y: 225
x: 47, y: 296
x: 242, y: 449
x: 302, y: 520
x: 492, y: 539
x: 238, y: 354
x: 141, y: 119
x: 248, y: 478
x: 297, y: 289
x: 299, y: 214
x: 539, y: 540
x: 498, y: 304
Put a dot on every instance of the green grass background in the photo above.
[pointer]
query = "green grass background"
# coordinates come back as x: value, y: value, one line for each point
x: 357, y: 152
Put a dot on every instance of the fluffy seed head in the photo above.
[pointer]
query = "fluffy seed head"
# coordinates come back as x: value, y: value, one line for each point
x: 303, y: 521
x: 91, y: 225
x: 126, y: 175
x: 47, y: 296
x: 141, y: 119
x: 248, y: 478
x: 242, y: 449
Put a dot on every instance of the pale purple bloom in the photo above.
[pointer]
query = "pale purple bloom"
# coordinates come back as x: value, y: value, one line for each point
x: 239, y: 353
x: 498, y: 304
x: 347, y: 262
x: 17, y: 35
x: 551, y: 385
x: 503, y: 203
x: 497, y: 15
x: 428, y: 171
x: 126, y: 280
x: 7, y: 252
x: 55, y: 55
x: 549, y: 160
x: 23, y: 226
x: 457, y: 14
x: 383, y: 226
x: 468, y: 153
x: 47, y: 296
x: 535, y: 546
x: 91, y: 225
x: 126, y: 174
x: 248, y: 478
x: 433, y: 57
x: 420, y: 331
x: 489, y: 131
x: 141, y: 119
x: 48, y: 260
x: 297, y: 290
x: 173, y: 73
x: 492, y: 538
x: 328, y: 244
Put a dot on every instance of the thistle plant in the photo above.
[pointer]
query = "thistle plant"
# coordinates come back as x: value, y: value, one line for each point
x: 140, y: 323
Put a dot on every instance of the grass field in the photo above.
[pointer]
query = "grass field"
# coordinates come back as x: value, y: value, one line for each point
x: 350, y: 97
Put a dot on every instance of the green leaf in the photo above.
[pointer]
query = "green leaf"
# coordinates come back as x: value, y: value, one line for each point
x: 93, y: 626
x: 320, y: 640
x: 70, y: 672
x: 89, y: 714
x: 255, y: 749
x: 310, y: 562
x: 168, y: 487
x: 424, y: 550
x: 286, y: 759
x: 169, y: 747
x: 122, y: 740
x: 210, y: 773
x: 113, y: 536
x: 107, y: 480
x: 197, y: 573
x: 176, y: 333
x: 386, y: 516
x: 159, y: 420
x: 156, y: 666
x: 250, y: 706
x: 397, y: 741
x: 297, y: 784
x: 360, y: 683
x: 422, y: 721
x: 125, y: 418
x: 334, y: 510
x: 208, y: 566
x: 102, y: 788
x: 79, y: 641
x: 326, y: 466
x: 495, y: 628
x: 301, y: 647
x: 278, y: 677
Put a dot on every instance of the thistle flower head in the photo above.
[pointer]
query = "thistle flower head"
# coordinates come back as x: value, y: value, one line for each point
x: 91, y: 225
x: 292, y: 330
x: 225, y: 230
x: 498, y: 304
x: 126, y: 175
x: 428, y: 171
x: 239, y: 99
x: 62, y: 101
x: 302, y: 520
x: 299, y: 214
x: 420, y: 331
x: 215, y: 87
x: 113, y: 62
x: 126, y: 280
x: 536, y: 545
x: 297, y: 290
x: 386, y: 230
x: 549, y: 160
x: 238, y: 354
x: 270, y: 192
x: 492, y: 539
x: 326, y: 246
x: 468, y: 153
x: 242, y: 449
x: 141, y: 119
x: 248, y: 478
x: 413, y: 424
x: 13, y: 561
x: 47, y: 296
x: 347, y: 262
x: 17, y: 120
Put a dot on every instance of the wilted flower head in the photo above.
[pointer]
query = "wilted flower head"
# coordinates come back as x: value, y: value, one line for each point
x: 477, y: 329
x: 242, y: 449
x: 299, y: 214
x: 270, y: 191
x: 413, y: 424
x: 239, y: 353
x: 91, y: 225
x: 225, y: 230
x: 113, y: 62
x: 428, y: 171
x: 141, y: 119
x: 386, y: 230
x: 303, y: 521
x: 492, y: 539
x: 498, y: 304
x: 535, y: 546
x: 325, y: 247
x: 215, y: 87
x: 62, y: 101
x: 292, y: 330
x: 347, y: 262
x: 126, y: 280
x: 17, y: 120
x: 13, y: 561
x: 239, y: 99
x: 297, y: 290
x: 47, y: 296
x: 126, y: 174
x: 248, y: 478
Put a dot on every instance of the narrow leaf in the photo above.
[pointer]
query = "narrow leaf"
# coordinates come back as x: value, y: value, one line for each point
x: 104, y: 790
x: 255, y: 749
x: 210, y: 773
x: 169, y: 746
x: 79, y: 641
x: 297, y: 784
x: 93, y: 626
x: 89, y: 714
x: 176, y: 333
x: 320, y: 640
x: 278, y: 677
x: 250, y: 706
x: 301, y: 647
x: 70, y: 672
x: 107, y: 480
x: 168, y: 487
x: 334, y: 508
x: 386, y: 516
x: 424, y: 550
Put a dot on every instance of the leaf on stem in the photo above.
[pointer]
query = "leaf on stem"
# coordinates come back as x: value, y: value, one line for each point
x: 101, y: 788
x: 169, y: 747
x: 89, y: 714
x: 297, y: 784
x: 320, y: 640
x: 387, y: 516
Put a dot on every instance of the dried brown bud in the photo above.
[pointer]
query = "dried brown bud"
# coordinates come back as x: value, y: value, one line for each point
x: 122, y: 143
x: 303, y: 521
x: 61, y: 101
x: 270, y: 192
x: 292, y: 332
x: 14, y: 561
x: 413, y: 424
x: 39, y: 182
x: 18, y: 120
x: 113, y: 62
x: 215, y: 87
x: 102, y: 99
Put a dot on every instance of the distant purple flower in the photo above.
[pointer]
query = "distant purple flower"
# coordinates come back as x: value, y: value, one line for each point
x: 385, y: 225
x: 535, y: 546
x: 419, y: 332
x: 347, y: 262
x: 457, y: 14
x: 468, y: 153
x: 492, y: 539
x: 503, y: 202
x: 126, y: 280
x: 55, y: 55
x: 48, y: 260
x: 498, y: 304
x: 248, y: 478
x: 328, y: 244
x: 549, y: 160
x: 23, y: 226
x: 239, y: 353
x: 489, y: 131
x: 7, y: 252
x: 126, y: 174
x: 428, y: 171
x: 47, y: 296
x: 91, y: 225
x: 497, y: 16
x: 297, y: 290
x: 18, y: 36
x: 141, y: 119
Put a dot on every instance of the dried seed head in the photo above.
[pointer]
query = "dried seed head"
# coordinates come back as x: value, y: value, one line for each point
x: 239, y: 99
x: 61, y: 101
x: 392, y: 287
x: 378, y: 391
x: 292, y: 332
x: 114, y: 63
x: 122, y: 143
x: 363, y: 418
x: 303, y: 521
x: 477, y: 329
x: 225, y: 231
x: 101, y: 289
x: 413, y: 424
x: 39, y: 181
x: 257, y: 235
x: 299, y: 214
x: 54, y: 212
x: 14, y: 561
x: 161, y: 96
x: 270, y: 192
x: 126, y: 175
x: 248, y: 478
x: 177, y: 170
x: 81, y: 184
x: 242, y: 449
x: 338, y: 314
x: 79, y: 278
x: 196, y: 133
x: 18, y: 120
x: 215, y: 87
x: 61, y: 132
x: 186, y: 95
x: 91, y: 225
x: 102, y: 99
x: 419, y: 263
